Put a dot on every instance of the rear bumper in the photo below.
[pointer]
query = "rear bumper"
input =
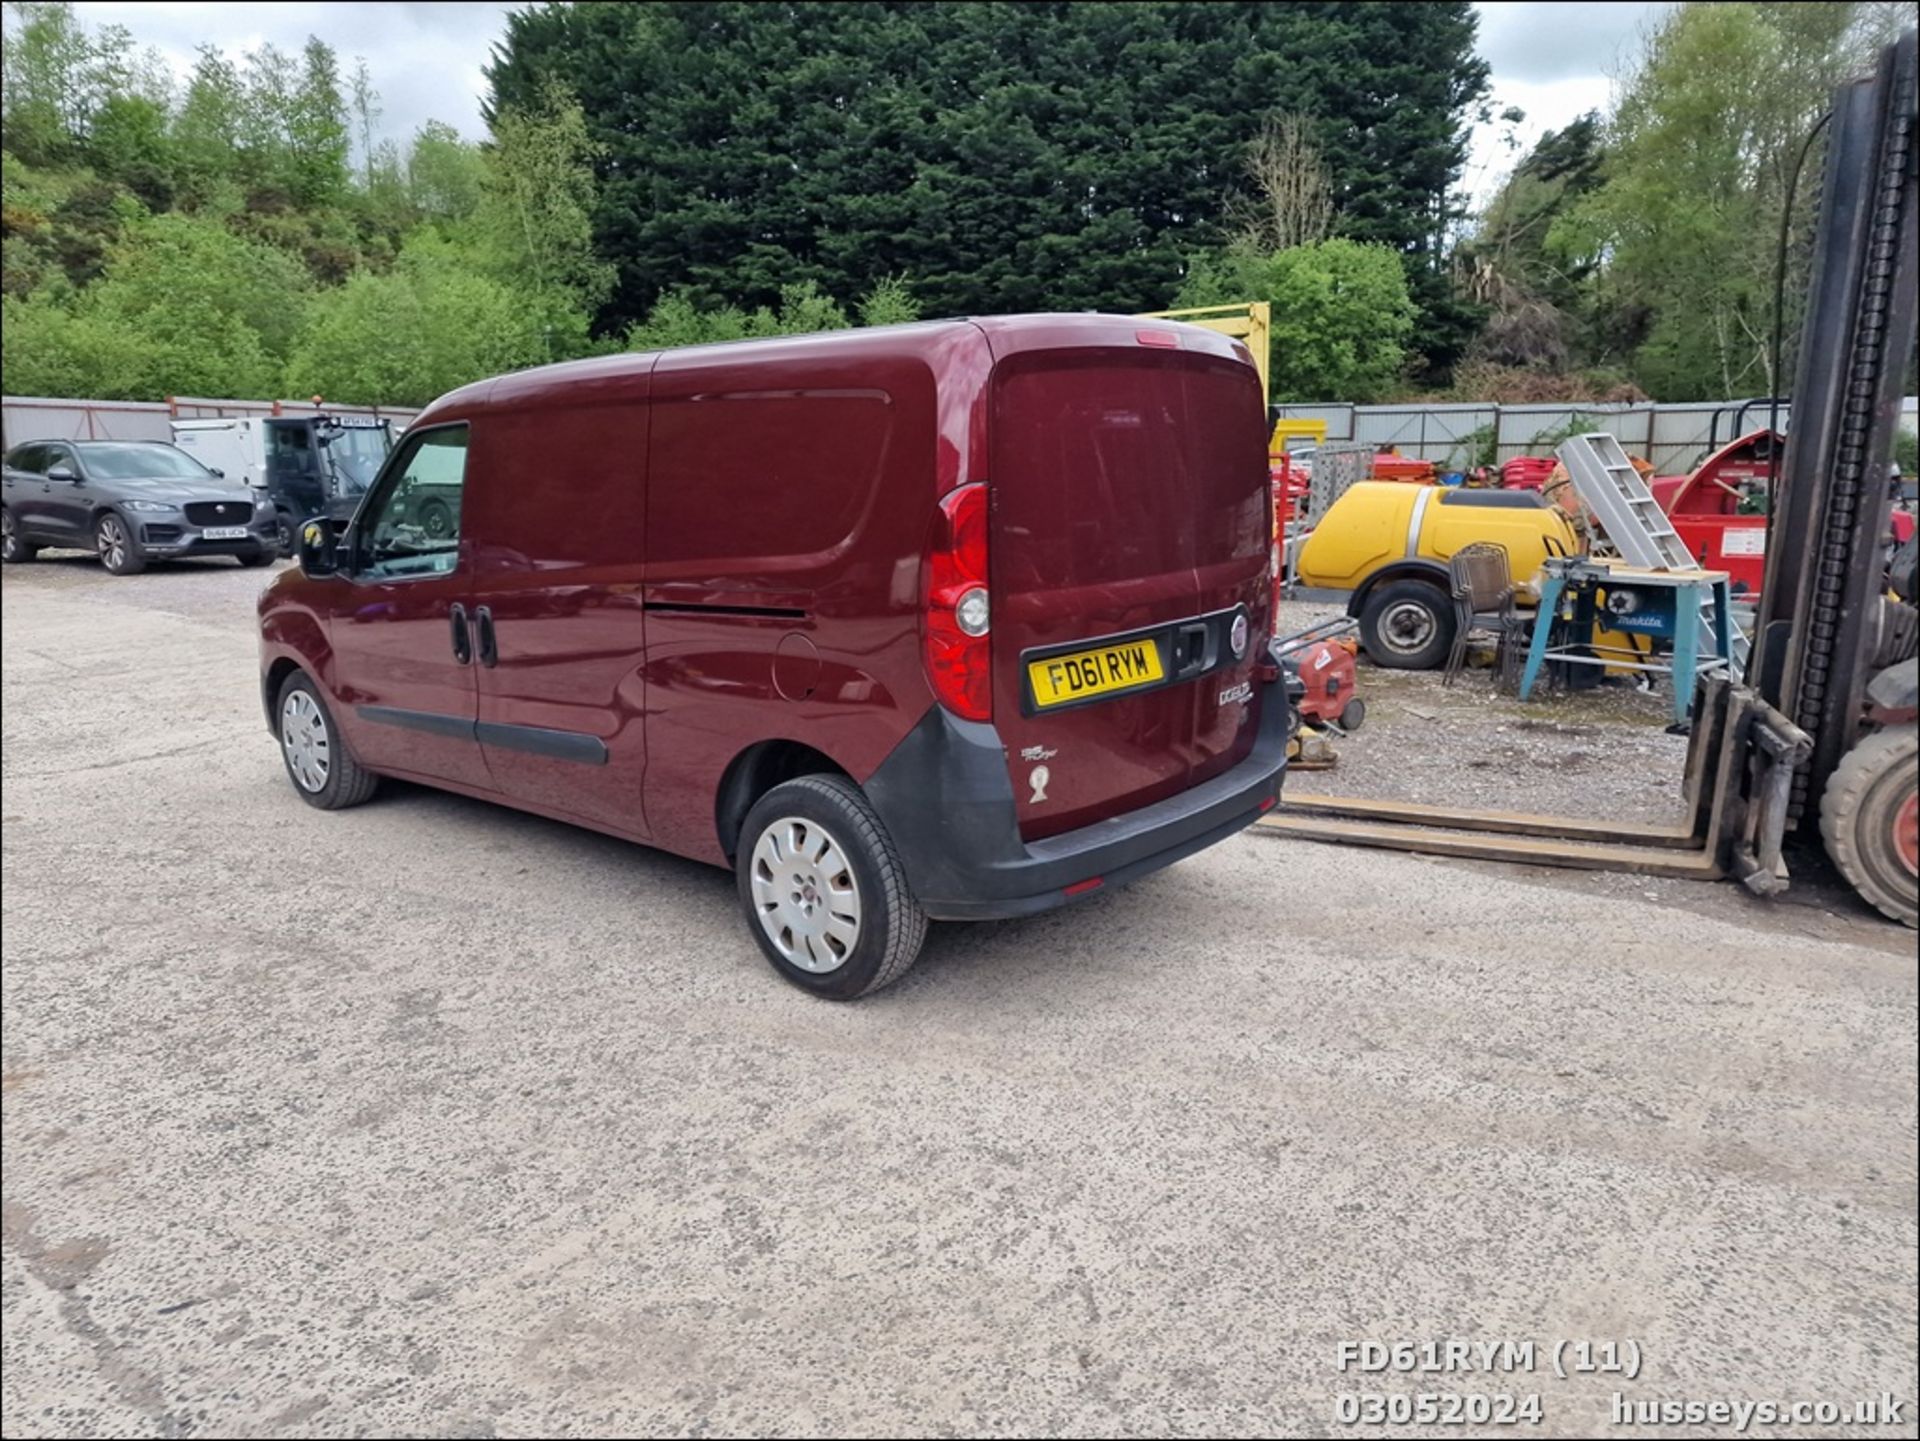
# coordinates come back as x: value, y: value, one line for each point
x: 946, y: 799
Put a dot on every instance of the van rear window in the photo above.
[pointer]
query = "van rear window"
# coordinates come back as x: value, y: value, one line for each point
x: 1110, y: 470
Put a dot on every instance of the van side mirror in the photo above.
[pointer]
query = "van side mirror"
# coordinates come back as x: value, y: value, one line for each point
x: 319, y: 547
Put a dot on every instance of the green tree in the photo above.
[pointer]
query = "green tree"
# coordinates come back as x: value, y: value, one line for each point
x: 206, y: 130
x: 678, y: 319
x: 185, y: 282
x: 59, y: 226
x: 1701, y: 146
x: 316, y: 121
x: 1526, y: 266
x: 1342, y: 315
x: 184, y: 308
x: 268, y: 80
x: 445, y: 176
x: 890, y: 302
x: 428, y: 326
x: 1008, y: 156
x: 46, y: 82
x: 366, y: 115
x: 535, y: 216
x: 129, y: 143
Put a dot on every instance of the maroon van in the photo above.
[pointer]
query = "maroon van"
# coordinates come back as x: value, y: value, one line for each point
x: 957, y: 620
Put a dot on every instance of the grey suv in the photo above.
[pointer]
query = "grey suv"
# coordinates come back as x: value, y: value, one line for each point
x: 128, y: 501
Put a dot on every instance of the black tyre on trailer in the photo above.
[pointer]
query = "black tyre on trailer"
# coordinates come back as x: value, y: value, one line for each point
x: 1407, y: 624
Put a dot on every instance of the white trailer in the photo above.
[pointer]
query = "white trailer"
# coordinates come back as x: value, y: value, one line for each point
x: 235, y: 447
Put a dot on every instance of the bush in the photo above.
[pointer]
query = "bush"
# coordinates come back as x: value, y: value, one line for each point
x: 403, y: 338
x: 1342, y: 316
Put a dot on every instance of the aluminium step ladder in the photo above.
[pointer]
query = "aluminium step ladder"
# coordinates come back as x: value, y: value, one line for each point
x: 1612, y: 489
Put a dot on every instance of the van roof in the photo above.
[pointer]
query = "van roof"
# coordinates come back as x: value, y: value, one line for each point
x: 1003, y: 335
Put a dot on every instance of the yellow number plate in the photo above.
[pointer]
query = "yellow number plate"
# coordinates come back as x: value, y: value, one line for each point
x: 1101, y: 671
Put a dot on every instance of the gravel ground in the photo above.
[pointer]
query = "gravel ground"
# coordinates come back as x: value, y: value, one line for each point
x: 432, y: 1118
x: 1601, y: 753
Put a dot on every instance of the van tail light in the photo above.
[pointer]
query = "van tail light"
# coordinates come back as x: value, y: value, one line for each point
x: 958, y: 608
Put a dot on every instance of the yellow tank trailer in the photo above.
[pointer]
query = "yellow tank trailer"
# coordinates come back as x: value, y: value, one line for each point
x: 1388, y: 543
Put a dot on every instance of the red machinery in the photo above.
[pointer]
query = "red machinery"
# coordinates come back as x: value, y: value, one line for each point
x: 1328, y: 671
x: 1389, y: 465
x: 1721, y: 509
x: 1526, y: 472
x: 1322, y: 656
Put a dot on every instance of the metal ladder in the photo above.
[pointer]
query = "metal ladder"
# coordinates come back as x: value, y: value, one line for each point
x: 1612, y: 489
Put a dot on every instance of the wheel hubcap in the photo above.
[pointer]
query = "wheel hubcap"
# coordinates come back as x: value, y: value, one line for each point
x: 805, y: 896
x: 303, y: 733
x: 1906, y: 834
x: 1406, y: 626
x: 113, y: 542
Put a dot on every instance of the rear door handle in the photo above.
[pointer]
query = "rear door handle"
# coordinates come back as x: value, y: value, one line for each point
x: 462, y: 642
x: 483, y: 622
x: 1189, y: 650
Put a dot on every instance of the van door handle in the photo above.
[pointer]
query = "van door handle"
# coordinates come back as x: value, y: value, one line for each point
x: 1189, y: 650
x: 462, y: 643
x: 483, y: 622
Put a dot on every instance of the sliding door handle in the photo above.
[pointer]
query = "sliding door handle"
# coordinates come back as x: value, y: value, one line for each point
x: 462, y: 642
x: 483, y: 622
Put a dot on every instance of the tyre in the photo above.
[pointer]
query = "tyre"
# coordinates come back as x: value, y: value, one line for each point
x: 436, y: 519
x: 824, y: 891
x: 283, y: 532
x: 1353, y: 715
x: 13, y: 549
x: 322, y: 769
x: 1407, y: 625
x: 262, y: 556
x: 113, y: 539
x: 1869, y: 818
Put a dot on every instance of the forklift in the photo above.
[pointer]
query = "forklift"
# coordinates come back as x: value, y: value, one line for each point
x: 1814, y: 745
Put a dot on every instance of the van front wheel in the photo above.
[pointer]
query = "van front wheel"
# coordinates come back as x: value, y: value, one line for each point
x: 1407, y: 625
x: 824, y: 890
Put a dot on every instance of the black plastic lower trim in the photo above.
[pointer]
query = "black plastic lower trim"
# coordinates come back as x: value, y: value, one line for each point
x: 946, y: 798
x: 432, y: 722
x: 539, y: 741
x: 533, y: 740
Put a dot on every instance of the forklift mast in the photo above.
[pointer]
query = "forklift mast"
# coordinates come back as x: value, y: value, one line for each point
x: 1819, y: 611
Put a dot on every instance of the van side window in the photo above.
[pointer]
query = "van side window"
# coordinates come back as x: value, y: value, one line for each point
x: 412, y: 525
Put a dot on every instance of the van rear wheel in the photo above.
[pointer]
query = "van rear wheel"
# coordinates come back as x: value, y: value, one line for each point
x: 824, y: 891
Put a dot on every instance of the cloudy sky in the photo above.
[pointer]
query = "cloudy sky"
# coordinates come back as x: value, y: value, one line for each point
x: 1554, y: 61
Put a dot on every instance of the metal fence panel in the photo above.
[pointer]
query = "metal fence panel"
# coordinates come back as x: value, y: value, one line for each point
x: 35, y: 417
x: 1674, y: 437
x: 24, y: 418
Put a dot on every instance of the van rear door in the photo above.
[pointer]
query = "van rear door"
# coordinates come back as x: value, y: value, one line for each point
x: 1128, y: 530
